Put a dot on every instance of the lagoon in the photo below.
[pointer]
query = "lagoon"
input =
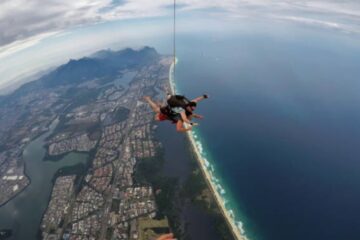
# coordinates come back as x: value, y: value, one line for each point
x: 24, y: 212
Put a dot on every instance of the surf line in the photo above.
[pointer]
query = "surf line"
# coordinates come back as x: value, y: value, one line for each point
x: 236, y: 227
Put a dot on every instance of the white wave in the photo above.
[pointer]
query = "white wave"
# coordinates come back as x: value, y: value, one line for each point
x: 240, y: 226
x: 200, y: 148
x: 207, y: 164
x: 219, y: 187
x: 214, y: 179
x: 231, y: 213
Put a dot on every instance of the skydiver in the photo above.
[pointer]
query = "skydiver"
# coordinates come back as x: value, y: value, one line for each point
x: 163, y: 113
x: 183, y: 106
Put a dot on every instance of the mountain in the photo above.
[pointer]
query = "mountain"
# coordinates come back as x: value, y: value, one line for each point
x: 104, y: 63
x: 127, y: 57
x: 78, y: 71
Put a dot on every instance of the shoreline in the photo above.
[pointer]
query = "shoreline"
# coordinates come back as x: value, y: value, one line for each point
x: 16, y: 194
x: 24, y: 170
x: 236, y: 231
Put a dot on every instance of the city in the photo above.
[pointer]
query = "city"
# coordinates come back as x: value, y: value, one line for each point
x: 106, y: 119
x: 109, y: 202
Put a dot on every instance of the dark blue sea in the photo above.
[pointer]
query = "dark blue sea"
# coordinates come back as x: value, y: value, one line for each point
x: 281, y: 126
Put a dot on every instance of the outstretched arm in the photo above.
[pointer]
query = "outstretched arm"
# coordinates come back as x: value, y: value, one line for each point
x: 197, y: 116
x: 198, y: 99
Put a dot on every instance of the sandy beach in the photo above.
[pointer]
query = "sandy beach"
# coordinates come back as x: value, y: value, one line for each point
x: 230, y: 221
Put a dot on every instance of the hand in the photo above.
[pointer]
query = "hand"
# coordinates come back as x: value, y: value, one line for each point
x: 169, y: 236
x: 205, y: 96
x: 194, y: 124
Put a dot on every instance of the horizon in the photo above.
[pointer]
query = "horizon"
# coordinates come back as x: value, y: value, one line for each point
x: 47, y: 38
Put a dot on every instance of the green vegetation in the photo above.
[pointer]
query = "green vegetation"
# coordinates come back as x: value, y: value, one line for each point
x: 115, y: 204
x: 149, y: 171
x: 196, y: 190
x: 109, y: 233
x: 194, y: 185
x: 93, y: 128
x: 81, y: 96
x: 120, y: 114
x: 150, y: 91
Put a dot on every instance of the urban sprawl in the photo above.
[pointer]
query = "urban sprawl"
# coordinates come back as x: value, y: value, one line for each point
x: 106, y: 200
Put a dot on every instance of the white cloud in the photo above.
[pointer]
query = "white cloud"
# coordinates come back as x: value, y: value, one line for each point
x: 24, y: 23
x: 21, y: 19
x: 19, y: 45
x: 314, y: 22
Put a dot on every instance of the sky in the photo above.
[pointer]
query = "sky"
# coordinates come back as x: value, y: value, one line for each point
x: 38, y: 34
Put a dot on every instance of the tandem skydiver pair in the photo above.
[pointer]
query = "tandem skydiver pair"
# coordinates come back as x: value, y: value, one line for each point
x: 178, y: 109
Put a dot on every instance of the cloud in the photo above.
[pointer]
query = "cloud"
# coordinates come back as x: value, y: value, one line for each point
x: 35, y: 29
x: 19, y: 45
x: 24, y: 23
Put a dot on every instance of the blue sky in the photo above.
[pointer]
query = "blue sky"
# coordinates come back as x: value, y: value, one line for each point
x: 37, y: 34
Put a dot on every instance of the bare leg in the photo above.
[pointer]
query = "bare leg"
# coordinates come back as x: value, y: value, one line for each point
x: 169, y: 236
x: 155, y: 107
x: 181, y: 128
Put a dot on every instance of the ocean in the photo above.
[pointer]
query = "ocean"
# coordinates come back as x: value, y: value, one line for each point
x: 281, y: 128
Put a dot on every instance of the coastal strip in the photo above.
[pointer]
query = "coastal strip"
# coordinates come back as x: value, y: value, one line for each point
x: 236, y: 227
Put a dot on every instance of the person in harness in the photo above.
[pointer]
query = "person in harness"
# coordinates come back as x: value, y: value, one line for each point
x: 163, y: 113
x: 182, y: 117
x: 183, y: 106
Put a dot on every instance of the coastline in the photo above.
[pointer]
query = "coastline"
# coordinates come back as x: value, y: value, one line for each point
x: 24, y: 171
x: 236, y: 230
x: 16, y: 194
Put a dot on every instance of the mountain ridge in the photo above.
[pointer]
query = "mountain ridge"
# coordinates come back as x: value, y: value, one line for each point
x: 103, y: 63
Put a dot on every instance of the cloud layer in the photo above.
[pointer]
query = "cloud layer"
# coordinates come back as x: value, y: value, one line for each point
x: 32, y: 32
x: 24, y: 23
